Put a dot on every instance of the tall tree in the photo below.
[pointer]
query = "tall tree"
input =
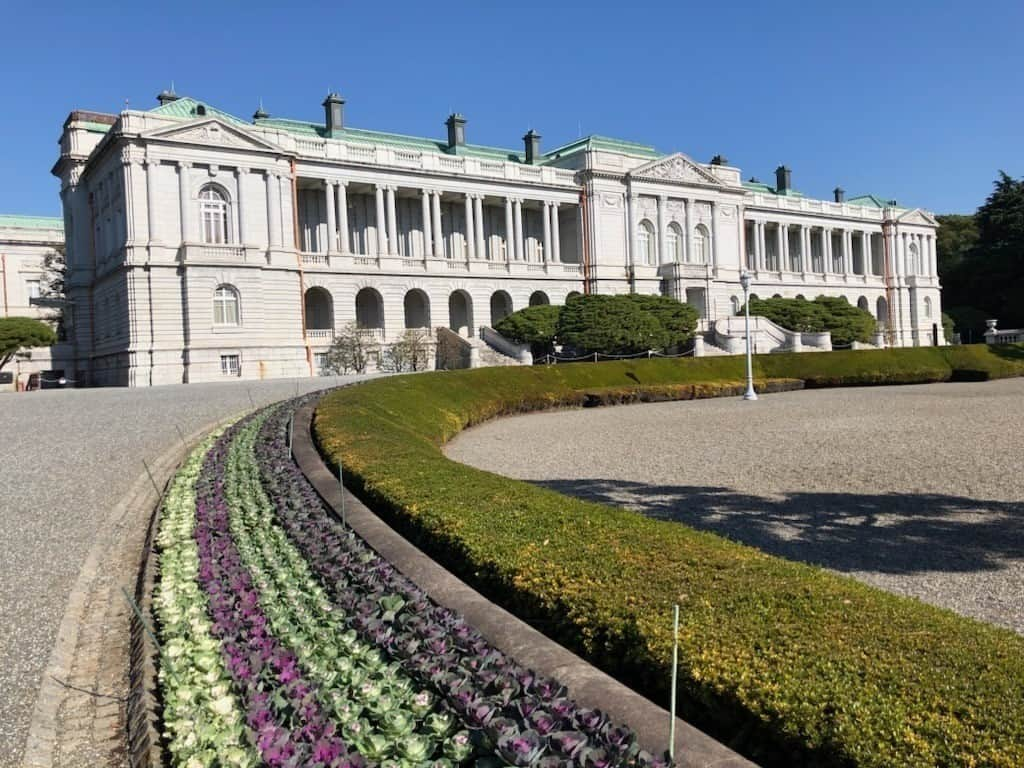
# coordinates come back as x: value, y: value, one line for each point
x: 18, y: 333
x: 998, y: 263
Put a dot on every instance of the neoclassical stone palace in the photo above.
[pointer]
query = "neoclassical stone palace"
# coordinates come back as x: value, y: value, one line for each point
x: 201, y: 245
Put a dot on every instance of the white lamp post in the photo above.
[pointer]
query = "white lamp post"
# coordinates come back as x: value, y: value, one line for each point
x: 750, y: 394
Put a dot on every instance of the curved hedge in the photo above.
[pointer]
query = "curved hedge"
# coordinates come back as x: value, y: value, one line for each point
x: 789, y: 663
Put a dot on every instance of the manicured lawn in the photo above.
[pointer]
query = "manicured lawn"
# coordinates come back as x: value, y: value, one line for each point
x: 792, y: 664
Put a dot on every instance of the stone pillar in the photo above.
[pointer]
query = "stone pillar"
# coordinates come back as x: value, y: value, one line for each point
x: 332, y: 225
x: 381, y: 236
x: 152, y: 208
x: 784, y: 266
x: 428, y: 239
x: 662, y: 202
x: 556, y: 242
x: 759, y: 244
x: 805, y: 248
x: 470, y: 238
x: 826, y: 255
x: 436, y: 227
x: 393, y: 239
x: 688, y: 230
x: 273, y: 211
x: 185, y: 202
x: 478, y: 226
x: 865, y: 249
x: 901, y: 253
x: 847, y: 252
x: 342, y: 199
x: 933, y: 267
x: 633, y: 202
x: 510, y: 248
x: 547, y: 231
x: 517, y: 215
x: 240, y: 176
x: 714, y: 236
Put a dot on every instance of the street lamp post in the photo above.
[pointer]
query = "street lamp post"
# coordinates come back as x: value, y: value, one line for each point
x: 750, y: 394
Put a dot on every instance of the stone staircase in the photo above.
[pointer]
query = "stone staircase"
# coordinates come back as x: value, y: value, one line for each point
x: 490, y: 349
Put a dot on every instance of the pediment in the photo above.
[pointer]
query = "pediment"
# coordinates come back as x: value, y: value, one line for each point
x: 917, y: 216
x: 677, y: 168
x: 213, y: 131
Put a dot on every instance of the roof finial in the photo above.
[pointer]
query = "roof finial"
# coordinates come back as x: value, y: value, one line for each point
x: 260, y: 114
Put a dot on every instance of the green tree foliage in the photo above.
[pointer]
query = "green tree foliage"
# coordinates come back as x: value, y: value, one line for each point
x: 535, y: 326
x: 17, y: 333
x: 679, y: 320
x: 947, y: 327
x: 834, y: 314
x: 981, y: 261
x: 613, y: 325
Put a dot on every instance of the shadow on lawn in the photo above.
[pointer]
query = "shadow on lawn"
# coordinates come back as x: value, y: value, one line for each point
x: 884, y: 533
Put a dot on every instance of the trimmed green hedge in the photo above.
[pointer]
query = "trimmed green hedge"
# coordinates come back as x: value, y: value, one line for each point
x: 791, y: 664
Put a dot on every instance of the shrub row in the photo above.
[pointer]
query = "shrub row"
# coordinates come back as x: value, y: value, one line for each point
x: 787, y: 662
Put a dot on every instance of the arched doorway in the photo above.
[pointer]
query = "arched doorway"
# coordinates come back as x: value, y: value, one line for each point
x: 319, y: 308
x: 369, y: 309
x: 882, y: 311
x: 460, y: 313
x: 538, y: 299
x: 572, y: 295
x: 417, y: 309
x: 862, y: 303
x: 501, y: 306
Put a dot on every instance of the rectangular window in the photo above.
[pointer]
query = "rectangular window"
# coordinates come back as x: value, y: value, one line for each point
x: 320, y: 362
x: 33, y: 288
x: 230, y: 365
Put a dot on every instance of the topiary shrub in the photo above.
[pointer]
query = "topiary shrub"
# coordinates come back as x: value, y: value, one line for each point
x: 846, y: 322
x: 835, y: 314
x: 679, y: 320
x: 612, y: 325
x: 534, y: 326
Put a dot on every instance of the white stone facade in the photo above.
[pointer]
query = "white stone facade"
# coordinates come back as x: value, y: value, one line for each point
x: 24, y: 243
x: 202, y: 246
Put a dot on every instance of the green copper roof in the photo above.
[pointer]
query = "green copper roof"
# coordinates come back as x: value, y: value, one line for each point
x: 603, y: 142
x: 869, y: 201
x: 13, y: 221
x: 186, y: 107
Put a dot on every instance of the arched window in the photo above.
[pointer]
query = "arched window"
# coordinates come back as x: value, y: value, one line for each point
x: 701, y: 242
x: 927, y: 307
x: 645, y: 243
x: 673, y: 244
x: 735, y: 301
x: 913, y: 262
x: 213, y: 213
x: 225, y: 306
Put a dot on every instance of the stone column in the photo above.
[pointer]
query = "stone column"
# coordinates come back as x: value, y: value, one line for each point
x: 662, y: 202
x: 240, y: 175
x: 342, y: 200
x: 547, y: 231
x: 901, y: 254
x: 847, y: 256
x: 633, y: 202
x: 784, y: 266
x: 332, y: 224
x: 826, y: 255
x: 380, y: 222
x: 759, y: 244
x: 510, y: 248
x: 478, y: 226
x: 865, y: 249
x: 152, y: 208
x: 933, y: 266
x: 273, y: 213
x: 805, y: 248
x: 714, y: 235
x: 428, y: 239
x: 517, y: 215
x: 688, y: 230
x: 185, y: 202
x: 438, y: 230
x: 470, y: 238
x: 556, y: 242
x: 393, y: 239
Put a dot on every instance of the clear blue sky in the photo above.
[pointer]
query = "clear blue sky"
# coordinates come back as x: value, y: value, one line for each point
x: 918, y: 101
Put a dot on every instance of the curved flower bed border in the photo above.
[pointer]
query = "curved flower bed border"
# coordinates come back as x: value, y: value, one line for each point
x: 261, y: 664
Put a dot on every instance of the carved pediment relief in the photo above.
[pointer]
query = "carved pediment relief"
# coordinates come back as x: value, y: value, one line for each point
x: 917, y: 216
x: 677, y: 168
x: 213, y: 131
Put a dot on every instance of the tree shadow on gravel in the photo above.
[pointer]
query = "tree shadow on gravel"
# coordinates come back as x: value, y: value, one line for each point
x: 885, y: 533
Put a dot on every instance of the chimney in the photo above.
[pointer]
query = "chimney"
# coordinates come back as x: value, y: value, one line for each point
x: 840, y: 194
x: 167, y: 96
x: 334, y: 114
x: 532, y: 142
x: 456, y: 130
x: 783, y: 180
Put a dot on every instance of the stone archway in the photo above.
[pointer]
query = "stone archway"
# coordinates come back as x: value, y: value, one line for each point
x: 369, y: 309
x: 417, y: 309
x: 460, y: 313
x: 539, y: 299
x: 501, y: 306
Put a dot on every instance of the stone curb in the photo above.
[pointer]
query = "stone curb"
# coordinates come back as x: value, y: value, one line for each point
x: 587, y: 684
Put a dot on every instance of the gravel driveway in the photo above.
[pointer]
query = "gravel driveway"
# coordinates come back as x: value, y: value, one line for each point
x: 67, y: 457
x: 918, y: 490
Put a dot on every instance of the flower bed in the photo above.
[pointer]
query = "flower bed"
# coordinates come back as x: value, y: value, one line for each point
x: 286, y: 641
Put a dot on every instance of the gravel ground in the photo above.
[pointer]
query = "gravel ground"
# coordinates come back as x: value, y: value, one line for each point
x: 68, y: 456
x: 918, y: 490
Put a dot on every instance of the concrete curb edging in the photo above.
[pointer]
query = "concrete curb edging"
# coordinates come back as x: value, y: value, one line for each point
x: 587, y: 684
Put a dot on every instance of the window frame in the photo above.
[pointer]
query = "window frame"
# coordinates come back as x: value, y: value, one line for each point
x: 221, y: 303
x: 226, y: 368
x: 214, y: 215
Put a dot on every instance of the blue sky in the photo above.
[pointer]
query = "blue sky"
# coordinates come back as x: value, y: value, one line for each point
x: 918, y: 101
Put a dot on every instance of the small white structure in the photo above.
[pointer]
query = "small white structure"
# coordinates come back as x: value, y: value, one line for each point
x: 1008, y: 336
x: 204, y: 246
